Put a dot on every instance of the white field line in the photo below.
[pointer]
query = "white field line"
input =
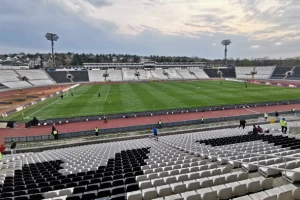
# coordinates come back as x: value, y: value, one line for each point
x: 48, y: 106
x: 107, y: 92
x: 252, y: 111
x: 43, y: 108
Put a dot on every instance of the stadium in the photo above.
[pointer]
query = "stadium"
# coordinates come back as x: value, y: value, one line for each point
x: 200, y: 153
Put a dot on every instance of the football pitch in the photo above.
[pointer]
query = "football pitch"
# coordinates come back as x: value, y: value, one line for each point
x: 138, y: 97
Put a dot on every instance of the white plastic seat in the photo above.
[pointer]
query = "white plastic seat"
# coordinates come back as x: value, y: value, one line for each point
x: 157, y: 182
x: 178, y: 188
x: 191, y: 195
x: 136, y: 195
x: 164, y: 190
x: 145, y: 184
x: 149, y: 194
x: 192, y: 185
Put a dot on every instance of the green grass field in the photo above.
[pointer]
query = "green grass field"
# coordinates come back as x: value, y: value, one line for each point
x: 132, y: 97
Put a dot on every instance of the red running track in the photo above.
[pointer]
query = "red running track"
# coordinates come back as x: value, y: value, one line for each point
x: 114, y: 123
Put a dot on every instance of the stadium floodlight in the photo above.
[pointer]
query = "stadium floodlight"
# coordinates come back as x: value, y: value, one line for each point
x: 52, y: 37
x: 226, y: 43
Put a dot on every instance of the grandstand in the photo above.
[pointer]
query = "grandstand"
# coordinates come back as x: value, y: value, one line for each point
x: 115, y: 72
x: 208, y: 165
x: 260, y: 73
x: 129, y: 75
x: 172, y: 74
x: 79, y: 76
x: 143, y: 74
x: 114, y: 75
x: 59, y: 76
x: 280, y: 72
x: 199, y: 73
x: 295, y: 75
x: 159, y: 74
x: 185, y: 74
x: 96, y: 75
x: 24, y: 78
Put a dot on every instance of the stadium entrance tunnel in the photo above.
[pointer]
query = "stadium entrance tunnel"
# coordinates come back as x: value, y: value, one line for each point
x: 53, y: 179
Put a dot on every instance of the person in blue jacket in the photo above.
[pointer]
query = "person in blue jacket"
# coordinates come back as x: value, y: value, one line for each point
x: 155, y: 133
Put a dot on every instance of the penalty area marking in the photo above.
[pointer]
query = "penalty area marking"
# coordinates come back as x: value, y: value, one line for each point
x: 43, y: 108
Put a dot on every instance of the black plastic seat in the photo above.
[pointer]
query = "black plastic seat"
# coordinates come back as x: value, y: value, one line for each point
x: 20, y: 193
x: 92, y: 187
x: 103, y: 193
x: 132, y: 187
x: 105, y: 185
x: 89, y: 195
x: 74, y: 197
x: 22, y: 198
x: 46, y: 189
x: 130, y: 180
x: 118, y: 197
x: 36, y: 197
x: 79, y: 189
x: 118, y: 182
x: 117, y: 190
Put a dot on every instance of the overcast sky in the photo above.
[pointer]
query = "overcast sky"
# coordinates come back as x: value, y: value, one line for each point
x: 257, y: 28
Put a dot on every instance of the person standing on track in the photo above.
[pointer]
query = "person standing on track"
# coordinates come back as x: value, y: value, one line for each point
x: 55, y: 134
x: 266, y: 116
x: 293, y: 110
x: 105, y: 119
x: 96, y: 131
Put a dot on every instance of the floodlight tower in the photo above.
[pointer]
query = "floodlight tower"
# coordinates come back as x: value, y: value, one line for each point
x: 226, y: 43
x: 52, y: 37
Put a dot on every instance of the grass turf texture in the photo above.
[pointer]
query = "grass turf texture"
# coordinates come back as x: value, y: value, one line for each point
x: 138, y: 97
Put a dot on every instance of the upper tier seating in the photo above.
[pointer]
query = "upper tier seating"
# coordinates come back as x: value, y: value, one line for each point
x: 199, y: 73
x: 96, y: 75
x: 262, y: 72
x: 80, y: 76
x: 185, y: 73
x: 280, y: 72
x: 129, y: 75
x: 59, y: 76
x: 114, y: 75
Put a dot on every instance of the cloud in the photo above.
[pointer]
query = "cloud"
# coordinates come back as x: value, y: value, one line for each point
x: 160, y: 27
x: 99, y: 3
x: 255, y: 46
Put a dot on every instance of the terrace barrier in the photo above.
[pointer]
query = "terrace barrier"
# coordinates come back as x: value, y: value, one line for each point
x: 135, y: 128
